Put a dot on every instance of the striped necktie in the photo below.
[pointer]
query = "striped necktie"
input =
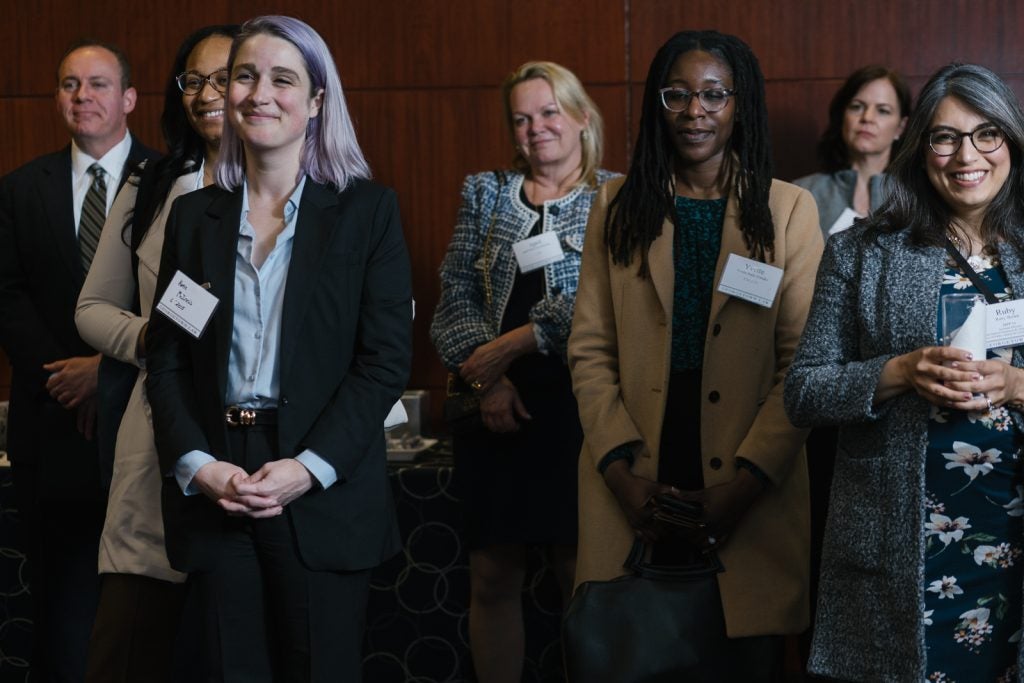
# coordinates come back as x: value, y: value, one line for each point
x: 94, y: 213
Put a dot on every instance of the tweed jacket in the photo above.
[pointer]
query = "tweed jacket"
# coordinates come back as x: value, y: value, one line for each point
x: 463, y: 319
x: 620, y: 358
x: 873, y: 300
x: 833, y: 193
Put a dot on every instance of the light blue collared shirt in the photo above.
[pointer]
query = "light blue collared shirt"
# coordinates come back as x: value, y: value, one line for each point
x: 254, y: 361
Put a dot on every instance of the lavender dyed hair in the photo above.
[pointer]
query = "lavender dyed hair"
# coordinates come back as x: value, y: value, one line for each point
x: 331, y: 153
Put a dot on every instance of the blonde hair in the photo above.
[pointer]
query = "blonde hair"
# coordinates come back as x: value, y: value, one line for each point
x: 573, y: 100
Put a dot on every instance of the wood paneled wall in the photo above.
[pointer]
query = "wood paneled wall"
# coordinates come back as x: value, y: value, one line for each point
x: 422, y: 77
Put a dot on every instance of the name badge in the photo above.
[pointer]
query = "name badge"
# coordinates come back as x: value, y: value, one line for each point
x: 1004, y: 324
x: 187, y: 304
x: 537, y: 252
x: 750, y: 280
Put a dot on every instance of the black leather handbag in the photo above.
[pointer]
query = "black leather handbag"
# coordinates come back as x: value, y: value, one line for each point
x: 649, y: 626
x: 461, y: 407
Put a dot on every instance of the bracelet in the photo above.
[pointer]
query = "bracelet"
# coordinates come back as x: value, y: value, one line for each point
x: 753, y: 469
x: 623, y: 452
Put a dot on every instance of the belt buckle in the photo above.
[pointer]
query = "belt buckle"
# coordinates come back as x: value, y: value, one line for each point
x: 235, y: 416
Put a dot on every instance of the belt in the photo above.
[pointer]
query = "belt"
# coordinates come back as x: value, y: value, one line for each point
x: 236, y: 416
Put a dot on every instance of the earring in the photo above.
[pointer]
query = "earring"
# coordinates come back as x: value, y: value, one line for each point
x: 584, y: 135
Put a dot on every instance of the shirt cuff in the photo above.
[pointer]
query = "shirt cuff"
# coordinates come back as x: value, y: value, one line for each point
x: 623, y: 452
x: 187, y: 466
x: 753, y: 469
x: 321, y: 470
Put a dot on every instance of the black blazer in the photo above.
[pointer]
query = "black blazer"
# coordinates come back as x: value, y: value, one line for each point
x: 40, y: 277
x: 345, y: 343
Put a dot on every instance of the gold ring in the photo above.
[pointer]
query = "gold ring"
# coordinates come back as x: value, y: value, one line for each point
x: 477, y: 386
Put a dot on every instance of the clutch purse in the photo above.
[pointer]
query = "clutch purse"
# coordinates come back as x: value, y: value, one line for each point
x: 650, y: 625
x: 461, y: 406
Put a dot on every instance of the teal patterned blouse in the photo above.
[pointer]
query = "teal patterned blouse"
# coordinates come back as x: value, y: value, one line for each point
x: 698, y: 239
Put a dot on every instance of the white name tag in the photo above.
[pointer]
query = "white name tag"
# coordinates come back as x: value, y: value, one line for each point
x: 187, y: 304
x: 750, y: 280
x: 1004, y: 324
x: 537, y: 252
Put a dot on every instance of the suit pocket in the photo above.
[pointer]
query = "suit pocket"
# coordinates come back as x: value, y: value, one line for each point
x: 857, y: 514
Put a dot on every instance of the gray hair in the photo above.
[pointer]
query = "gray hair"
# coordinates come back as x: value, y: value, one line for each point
x: 913, y: 202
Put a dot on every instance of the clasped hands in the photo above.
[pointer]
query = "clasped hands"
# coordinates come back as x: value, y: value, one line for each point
x: 501, y: 407
x: 948, y: 377
x: 722, y: 505
x: 264, y: 493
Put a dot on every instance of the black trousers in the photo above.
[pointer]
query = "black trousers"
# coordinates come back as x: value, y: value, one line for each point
x: 62, y: 539
x: 267, y: 617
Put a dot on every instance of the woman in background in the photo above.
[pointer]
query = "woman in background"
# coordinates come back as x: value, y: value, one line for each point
x: 922, y: 562
x: 679, y: 384
x: 865, y: 121
x: 502, y: 329
x: 141, y: 595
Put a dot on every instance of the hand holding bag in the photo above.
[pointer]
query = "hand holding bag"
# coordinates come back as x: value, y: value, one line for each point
x: 648, y: 626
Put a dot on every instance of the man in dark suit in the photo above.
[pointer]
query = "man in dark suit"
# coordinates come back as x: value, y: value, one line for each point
x: 49, y: 211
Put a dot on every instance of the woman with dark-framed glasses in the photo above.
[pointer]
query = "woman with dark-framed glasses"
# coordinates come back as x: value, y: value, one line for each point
x: 142, y: 595
x: 921, y: 569
x: 679, y: 383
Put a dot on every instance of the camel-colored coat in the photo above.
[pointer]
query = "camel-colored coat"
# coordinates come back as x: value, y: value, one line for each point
x: 619, y: 352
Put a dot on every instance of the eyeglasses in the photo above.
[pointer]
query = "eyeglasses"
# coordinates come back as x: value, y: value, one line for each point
x: 946, y: 142
x: 191, y: 83
x: 712, y: 99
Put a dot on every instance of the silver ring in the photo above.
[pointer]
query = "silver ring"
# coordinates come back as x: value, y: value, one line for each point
x: 989, y: 402
x: 711, y: 540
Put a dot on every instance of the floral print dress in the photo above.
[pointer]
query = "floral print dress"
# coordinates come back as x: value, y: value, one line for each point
x: 973, y: 521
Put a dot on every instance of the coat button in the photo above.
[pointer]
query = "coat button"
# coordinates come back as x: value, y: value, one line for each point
x: 713, y: 397
x: 555, y: 210
x: 715, y: 463
x: 715, y: 330
x: 284, y: 400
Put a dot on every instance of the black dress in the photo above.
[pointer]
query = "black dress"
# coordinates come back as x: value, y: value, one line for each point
x: 520, y: 487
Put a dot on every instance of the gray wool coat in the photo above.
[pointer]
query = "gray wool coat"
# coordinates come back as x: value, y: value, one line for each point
x: 872, y: 301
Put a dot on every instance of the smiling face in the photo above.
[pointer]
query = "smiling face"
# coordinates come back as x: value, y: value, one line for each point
x: 543, y: 133
x: 701, y: 138
x: 968, y: 180
x: 872, y: 120
x: 269, y: 100
x: 90, y: 99
x: 205, y: 109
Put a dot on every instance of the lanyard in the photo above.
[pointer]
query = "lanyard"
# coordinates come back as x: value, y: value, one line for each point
x: 971, y: 274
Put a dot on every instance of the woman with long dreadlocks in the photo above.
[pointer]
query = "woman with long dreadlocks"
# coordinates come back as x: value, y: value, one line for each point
x: 697, y: 275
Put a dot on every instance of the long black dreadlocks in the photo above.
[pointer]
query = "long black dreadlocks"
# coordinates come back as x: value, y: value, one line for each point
x: 636, y: 214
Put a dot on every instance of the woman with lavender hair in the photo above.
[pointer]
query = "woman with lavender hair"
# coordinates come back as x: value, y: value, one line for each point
x: 268, y: 413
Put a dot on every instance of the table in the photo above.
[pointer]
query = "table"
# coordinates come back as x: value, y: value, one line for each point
x: 417, y: 618
x: 419, y: 601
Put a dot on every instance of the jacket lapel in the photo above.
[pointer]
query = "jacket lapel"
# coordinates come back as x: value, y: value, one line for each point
x: 313, y: 232
x: 732, y: 243
x: 55, y: 186
x: 914, y: 289
x: 218, y: 235
x: 661, y: 261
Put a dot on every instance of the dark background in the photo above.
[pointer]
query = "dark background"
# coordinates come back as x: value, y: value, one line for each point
x: 422, y: 78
